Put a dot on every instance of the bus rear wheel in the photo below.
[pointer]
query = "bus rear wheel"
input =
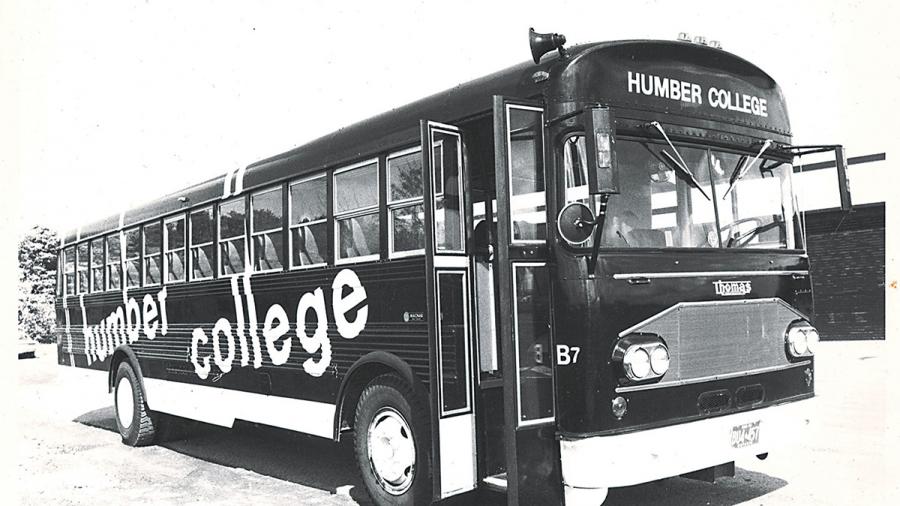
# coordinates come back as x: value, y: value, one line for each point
x: 136, y: 423
x: 392, y: 443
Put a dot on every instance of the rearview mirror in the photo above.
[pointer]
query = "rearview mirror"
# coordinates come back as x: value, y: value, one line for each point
x: 843, y: 180
x: 600, y: 138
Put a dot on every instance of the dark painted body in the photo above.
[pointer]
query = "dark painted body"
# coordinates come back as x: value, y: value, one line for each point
x: 589, y: 310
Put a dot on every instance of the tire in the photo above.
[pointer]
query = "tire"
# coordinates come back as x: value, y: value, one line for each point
x: 136, y: 423
x: 392, y: 443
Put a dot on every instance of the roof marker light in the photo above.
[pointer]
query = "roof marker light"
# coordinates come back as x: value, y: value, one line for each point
x: 699, y: 39
x: 684, y: 36
x: 716, y: 44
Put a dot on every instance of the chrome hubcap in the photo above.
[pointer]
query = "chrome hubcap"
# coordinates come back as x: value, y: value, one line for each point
x: 125, y: 402
x: 392, y: 451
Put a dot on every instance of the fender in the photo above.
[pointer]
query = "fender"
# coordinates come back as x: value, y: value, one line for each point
x: 387, y: 361
x: 130, y: 356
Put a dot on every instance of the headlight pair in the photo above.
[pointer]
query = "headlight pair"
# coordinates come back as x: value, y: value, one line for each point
x: 642, y: 357
x: 801, y: 339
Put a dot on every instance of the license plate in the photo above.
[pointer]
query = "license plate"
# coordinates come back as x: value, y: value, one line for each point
x: 745, y: 435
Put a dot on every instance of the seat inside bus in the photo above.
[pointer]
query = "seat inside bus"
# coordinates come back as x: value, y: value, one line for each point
x: 202, y: 266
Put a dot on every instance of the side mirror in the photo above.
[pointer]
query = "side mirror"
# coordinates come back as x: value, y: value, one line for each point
x: 843, y: 180
x: 576, y: 222
x: 600, y: 139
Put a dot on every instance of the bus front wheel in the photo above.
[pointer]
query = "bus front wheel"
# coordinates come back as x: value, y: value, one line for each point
x: 392, y: 443
x: 136, y: 423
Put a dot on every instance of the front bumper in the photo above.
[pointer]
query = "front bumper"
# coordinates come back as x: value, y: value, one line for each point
x: 604, y: 462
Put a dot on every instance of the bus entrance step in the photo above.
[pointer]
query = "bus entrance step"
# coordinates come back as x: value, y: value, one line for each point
x: 496, y: 482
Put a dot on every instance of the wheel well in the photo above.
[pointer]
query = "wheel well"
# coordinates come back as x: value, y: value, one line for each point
x: 124, y: 354
x: 353, y: 389
x: 361, y: 375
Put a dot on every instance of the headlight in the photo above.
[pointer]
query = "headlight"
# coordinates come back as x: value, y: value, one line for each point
x: 801, y: 339
x: 812, y: 340
x: 642, y: 357
x: 637, y: 363
x: 659, y: 360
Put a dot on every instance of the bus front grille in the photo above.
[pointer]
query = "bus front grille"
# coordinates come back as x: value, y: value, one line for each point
x: 720, y: 339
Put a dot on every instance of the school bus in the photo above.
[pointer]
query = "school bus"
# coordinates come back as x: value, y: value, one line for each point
x: 582, y: 272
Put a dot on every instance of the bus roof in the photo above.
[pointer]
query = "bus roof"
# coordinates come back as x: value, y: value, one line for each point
x: 400, y: 127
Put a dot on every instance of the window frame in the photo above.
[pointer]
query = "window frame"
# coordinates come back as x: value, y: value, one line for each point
x: 102, y: 266
x: 189, y: 242
x: 125, y: 258
x: 119, y: 234
x: 217, y: 216
x: 253, y: 233
x: 293, y: 226
x: 145, y: 256
x: 509, y: 171
x: 69, y: 251
x: 393, y: 205
x: 80, y: 290
x: 166, y: 250
x: 356, y: 213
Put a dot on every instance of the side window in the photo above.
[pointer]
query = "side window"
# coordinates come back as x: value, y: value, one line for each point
x: 97, y: 265
x: 356, y: 212
x: 152, y: 254
x: 309, y: 232
x: 266, y: 229
x: 69, y: 262
x: 232, y: 238
x: 406, y: 211
x: 173, y: 244
x: 202, y: 240
x: 132, y: 258
x: 113, y: 262
x: 83, y: 266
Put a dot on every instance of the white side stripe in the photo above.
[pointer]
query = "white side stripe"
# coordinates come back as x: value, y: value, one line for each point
x: 84, y: 328
x: 239, y: 180
x: 222, y: 407
x: 226, y: 185
x: 239, y: 315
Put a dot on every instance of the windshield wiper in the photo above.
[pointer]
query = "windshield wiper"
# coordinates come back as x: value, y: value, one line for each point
x: 679, y: 163
x: 741, y: 239
x: 741, y: 170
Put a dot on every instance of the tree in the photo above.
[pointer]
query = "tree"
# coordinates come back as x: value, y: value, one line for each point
x: 37, y: 284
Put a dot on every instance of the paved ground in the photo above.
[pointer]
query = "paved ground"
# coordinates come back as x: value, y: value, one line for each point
x: 69, y: 451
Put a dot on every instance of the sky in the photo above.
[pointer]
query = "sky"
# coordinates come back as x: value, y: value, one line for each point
x: 108, y: 104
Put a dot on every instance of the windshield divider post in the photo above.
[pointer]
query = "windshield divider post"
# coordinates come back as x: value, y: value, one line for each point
x: 598, y: 232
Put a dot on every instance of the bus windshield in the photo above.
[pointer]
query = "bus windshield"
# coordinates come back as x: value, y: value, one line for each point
x: 660, y: 207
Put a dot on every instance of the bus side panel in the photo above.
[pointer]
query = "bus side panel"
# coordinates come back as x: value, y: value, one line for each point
x: 224, y: 385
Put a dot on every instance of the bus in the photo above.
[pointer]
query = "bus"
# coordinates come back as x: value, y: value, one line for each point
x: 583, y: 272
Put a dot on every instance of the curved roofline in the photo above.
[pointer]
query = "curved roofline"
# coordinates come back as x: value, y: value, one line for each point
x: 396, y: 127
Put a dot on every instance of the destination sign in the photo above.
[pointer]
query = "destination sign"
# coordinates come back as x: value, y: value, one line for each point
x: 685, y: 91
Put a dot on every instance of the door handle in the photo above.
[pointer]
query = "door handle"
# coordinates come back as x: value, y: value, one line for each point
x: 639, y: 281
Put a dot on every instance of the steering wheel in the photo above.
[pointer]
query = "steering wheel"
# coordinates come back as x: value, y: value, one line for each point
x: 734, y: 238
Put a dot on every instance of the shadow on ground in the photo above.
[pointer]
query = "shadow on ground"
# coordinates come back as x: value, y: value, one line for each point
x: 324, y: 465
x: 277, y: 453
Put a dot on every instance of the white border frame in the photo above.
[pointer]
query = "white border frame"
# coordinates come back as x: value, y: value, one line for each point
x: 254, y: 233
x: 467, y: 337
x: 508, y: 141
x: 294, y: 226
x: 166, y: 250
x: 537, y: 421
x: 191, y: 246
x: 356, y: 213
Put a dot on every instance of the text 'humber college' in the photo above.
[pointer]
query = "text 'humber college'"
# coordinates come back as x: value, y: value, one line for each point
x: 228, y: 339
